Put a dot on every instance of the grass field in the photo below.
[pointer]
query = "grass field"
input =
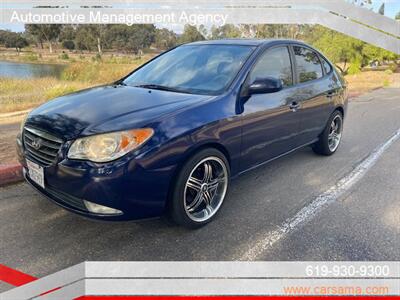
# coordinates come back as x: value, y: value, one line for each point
x: 370, y: 80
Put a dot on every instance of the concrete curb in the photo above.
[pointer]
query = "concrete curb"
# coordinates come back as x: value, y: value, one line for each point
x: 10, y: 173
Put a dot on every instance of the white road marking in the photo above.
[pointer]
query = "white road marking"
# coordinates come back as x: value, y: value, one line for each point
x: 320, y: 202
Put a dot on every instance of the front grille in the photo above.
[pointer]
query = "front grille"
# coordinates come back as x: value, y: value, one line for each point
x: 41, y: 146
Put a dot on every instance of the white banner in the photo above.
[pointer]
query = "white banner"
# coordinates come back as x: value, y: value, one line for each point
x: 335, y: 14
x: 215, y: 279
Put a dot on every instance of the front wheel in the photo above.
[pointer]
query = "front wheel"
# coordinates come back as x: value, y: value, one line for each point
x: 330, y: 138
x: 200, y: 189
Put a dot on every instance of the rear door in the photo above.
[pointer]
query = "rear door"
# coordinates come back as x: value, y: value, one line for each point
x: 269, y: 123
x: 315, y: 92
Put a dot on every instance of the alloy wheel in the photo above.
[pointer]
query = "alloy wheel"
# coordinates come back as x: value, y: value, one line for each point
x: 335, y: 133
x: 205, y: 189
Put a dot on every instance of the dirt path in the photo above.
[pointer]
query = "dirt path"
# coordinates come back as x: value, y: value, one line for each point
x: 8, y: 133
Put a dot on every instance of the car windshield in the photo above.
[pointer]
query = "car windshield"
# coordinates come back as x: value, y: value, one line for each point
x: 195, y: 69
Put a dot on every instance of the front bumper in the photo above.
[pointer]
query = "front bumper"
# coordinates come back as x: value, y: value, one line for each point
x: 126, y: 184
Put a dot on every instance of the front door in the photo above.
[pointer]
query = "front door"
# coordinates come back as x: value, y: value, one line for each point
x: 270, y: 122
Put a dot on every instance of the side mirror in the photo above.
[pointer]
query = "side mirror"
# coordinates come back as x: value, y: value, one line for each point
x: 265, y: 85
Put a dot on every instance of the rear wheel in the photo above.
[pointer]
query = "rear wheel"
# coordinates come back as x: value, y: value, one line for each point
x: 200, y: 189
x: 332, y: 135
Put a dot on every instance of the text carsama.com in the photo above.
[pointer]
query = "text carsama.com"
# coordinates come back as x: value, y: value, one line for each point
x: 98, y: 17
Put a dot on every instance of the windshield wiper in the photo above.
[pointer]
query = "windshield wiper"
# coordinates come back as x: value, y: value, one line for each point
x: 160, y: 87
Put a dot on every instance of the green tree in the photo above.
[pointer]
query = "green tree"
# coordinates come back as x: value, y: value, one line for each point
x: 3, y: 35
x: 68, y: 44
x: 203, y: 30
x: 264, y: 31
x: 341, y: 49
x: 373, y: 53
x: 13, y: 40
x: 45, y: 32
x: 225, y: 31
x: 68, y: 33
x: 349, y: 54
x: 397, y: 17
x: 133, y: 38
x: 165, y: 39
x: 382, y: 9
x: 91, y: 37
x: 362, y: 2
x: 190, y: 34
x: 98, y: 31
x: 84, y: 40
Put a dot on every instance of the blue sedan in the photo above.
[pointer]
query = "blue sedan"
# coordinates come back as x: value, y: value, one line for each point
x: 167, y: 138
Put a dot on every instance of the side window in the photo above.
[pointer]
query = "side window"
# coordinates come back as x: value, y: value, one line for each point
x: 308, y: 64
x: 274, y: 63
x: 326, y: 65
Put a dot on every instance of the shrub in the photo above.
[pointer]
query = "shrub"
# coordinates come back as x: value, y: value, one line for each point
x: 63, y: 56
x: 83, y: 72
x: 112, y: 60
x: 95, y: 72
x: 97, y: 57
x: 393, y: 67
x: 31, y: 57
x: 58, y: 90
x: 355, y: 68
x: 386, y: 83
x: 68, y: 44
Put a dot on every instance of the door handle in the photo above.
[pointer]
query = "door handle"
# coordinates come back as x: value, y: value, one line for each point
x: 294, y: 106
x: 330, y: 94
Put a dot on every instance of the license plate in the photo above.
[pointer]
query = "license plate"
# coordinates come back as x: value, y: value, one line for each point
x: 36, y: 173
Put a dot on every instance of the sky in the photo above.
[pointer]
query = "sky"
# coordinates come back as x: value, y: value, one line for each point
x: 392, y: 7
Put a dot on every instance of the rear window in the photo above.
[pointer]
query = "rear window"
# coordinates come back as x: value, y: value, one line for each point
x: 327, y: 67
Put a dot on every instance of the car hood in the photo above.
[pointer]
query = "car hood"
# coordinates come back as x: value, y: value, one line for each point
x: 105, y: 109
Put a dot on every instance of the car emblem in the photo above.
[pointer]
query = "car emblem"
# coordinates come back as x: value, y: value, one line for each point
x: 37, y: 143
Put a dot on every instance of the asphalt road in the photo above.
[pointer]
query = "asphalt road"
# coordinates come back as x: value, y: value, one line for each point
x: 39, y: 238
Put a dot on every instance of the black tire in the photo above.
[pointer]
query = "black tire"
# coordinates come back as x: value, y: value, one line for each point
x: 324, y: 145
x: 181, y: 191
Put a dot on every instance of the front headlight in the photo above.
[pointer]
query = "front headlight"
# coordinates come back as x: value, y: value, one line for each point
x: 109, y: 146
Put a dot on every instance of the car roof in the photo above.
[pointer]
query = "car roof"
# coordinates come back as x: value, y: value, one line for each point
x: 245, y: 42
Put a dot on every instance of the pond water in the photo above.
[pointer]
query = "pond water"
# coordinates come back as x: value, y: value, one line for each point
x: 26, y: 70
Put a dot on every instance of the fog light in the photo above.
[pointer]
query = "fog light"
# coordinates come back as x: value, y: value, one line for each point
x: 101, y: 209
